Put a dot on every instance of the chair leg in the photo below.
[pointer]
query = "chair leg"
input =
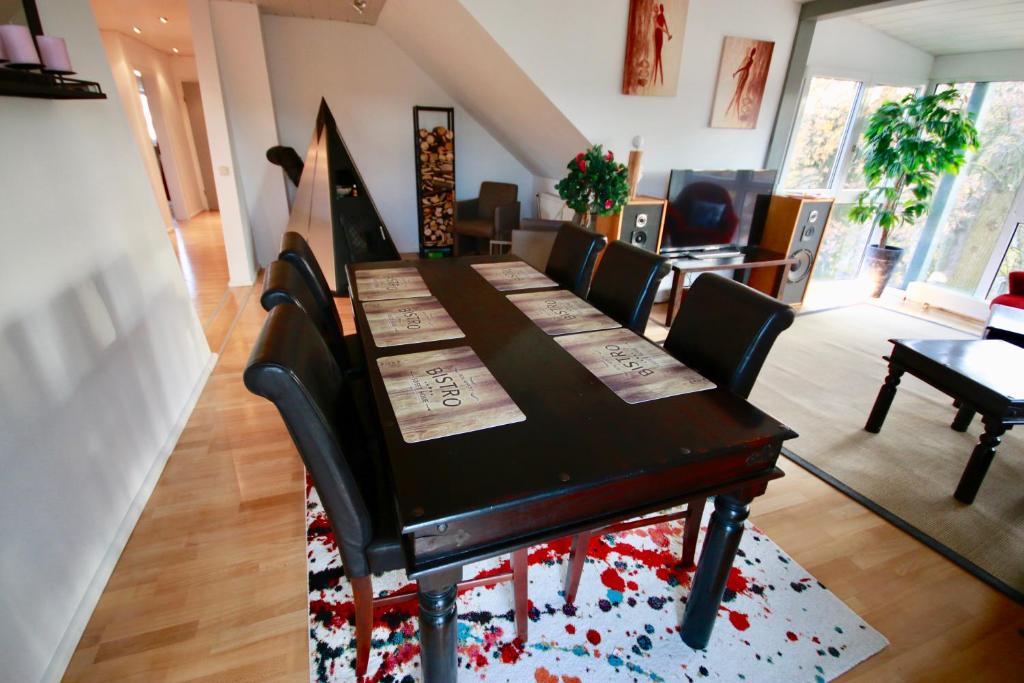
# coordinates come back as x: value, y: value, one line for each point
x: 520, y: 588
x: 362, y: 595
x: 691, y: 528
x: 577, y: 554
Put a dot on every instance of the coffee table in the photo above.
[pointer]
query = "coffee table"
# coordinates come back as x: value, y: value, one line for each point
x: 984, y: 375
x: 1006, y: 323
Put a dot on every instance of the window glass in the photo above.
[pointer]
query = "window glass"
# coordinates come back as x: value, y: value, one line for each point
x: 874, y: 97
x: 819, y: 139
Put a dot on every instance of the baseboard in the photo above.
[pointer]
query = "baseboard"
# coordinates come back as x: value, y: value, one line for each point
x: 80, y: 619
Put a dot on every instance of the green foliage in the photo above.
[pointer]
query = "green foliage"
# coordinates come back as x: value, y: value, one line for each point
x: 908, y: 144
x: 596, y: 183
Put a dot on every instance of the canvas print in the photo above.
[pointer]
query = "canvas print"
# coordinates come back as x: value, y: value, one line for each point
x: 654, y: 47
x: 741, y: 79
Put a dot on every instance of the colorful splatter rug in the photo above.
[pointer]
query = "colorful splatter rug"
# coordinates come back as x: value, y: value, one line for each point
x: 777, y: 622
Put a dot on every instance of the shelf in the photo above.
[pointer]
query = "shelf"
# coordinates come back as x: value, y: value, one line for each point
x: 47, y: 86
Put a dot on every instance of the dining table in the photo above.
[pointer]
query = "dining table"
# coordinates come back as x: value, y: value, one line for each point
x: 568, y: 454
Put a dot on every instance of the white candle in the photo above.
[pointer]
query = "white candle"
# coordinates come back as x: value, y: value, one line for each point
x: 18, y: 44
x: 54, y: 52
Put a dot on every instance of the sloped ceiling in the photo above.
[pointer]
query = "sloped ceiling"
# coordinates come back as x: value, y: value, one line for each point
x: 462, y: 57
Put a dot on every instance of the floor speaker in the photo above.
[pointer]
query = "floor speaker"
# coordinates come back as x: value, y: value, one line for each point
x: 640, y: 223
x: 793, y: 226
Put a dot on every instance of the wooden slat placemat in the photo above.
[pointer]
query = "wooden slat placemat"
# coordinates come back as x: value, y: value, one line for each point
x: 634, y: 368
x: 561, y: 312
x: 409, y: 321
x: 511, y: 275
x: 442, y: 393
x: 390, y: 283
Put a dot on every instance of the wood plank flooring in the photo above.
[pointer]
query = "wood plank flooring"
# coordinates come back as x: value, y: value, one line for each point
x: 212, y: 583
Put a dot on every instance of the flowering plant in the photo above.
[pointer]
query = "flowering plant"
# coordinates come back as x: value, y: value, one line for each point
x: 596, y: 183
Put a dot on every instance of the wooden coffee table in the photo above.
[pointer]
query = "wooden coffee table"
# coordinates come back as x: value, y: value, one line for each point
x: 984, y: 375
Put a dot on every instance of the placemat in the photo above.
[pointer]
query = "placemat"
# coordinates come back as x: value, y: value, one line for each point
x: 561, y: 312
x: 634, y: 368
x: 511, y: 275
x: 443, y: 393
x: 409, y: 321
x: 390, y: 283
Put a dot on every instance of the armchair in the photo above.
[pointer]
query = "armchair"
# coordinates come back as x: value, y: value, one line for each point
x: 491, y: 216
x: 1015, y: 297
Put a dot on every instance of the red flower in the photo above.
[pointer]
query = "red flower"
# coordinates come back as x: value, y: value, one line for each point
x: 579, y: 157
x: 582, y: 163
x: 608, y: 203
x: 609, y: 156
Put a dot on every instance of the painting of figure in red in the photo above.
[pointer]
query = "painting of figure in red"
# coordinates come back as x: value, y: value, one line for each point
x: 654, y: 47
x: 741, y: 80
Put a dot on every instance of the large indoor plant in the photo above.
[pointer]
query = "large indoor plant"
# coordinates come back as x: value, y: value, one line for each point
x: 907, y: 145
x: 596, y: 185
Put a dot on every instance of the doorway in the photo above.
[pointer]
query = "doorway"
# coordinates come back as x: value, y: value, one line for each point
x: 194, y: 109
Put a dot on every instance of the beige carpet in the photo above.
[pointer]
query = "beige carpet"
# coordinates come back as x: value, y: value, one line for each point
x: 821, y: 379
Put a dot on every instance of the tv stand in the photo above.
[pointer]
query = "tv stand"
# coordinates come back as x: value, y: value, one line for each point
x: 743, y: 259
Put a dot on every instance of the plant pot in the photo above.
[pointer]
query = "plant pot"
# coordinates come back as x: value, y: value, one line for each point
x: 584, y: 220
x: 880, y: 263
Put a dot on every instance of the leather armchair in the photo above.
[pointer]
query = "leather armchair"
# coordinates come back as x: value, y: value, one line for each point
x: 1015, y: 297
x: 491, y: 216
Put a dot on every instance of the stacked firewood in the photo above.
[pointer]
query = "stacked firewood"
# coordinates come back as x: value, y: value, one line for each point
x: 437, y: 185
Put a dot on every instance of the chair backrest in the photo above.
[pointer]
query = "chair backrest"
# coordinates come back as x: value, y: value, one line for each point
x: 724, y: 330
x: 572, y: 258
x: 292, y: 367
x: 493, y: 195
x: 296, y: 250
x: 288, y: 159
x: 626, y: 283
x: 284, y: 284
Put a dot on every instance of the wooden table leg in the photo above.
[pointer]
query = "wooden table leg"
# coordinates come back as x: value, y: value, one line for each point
x: 885, y: 396
x: 980, y: 460
x: 963, y: 418
x: 438, y: 633
x: 716, y: 558
x: 675, y: 297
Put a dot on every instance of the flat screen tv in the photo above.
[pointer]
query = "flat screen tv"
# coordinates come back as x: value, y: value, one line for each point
x: 712, y: 208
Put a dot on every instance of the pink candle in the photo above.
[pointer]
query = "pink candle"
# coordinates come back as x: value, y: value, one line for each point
x: 3, y: 52
x: 18, y: 44
x: 54, y: 52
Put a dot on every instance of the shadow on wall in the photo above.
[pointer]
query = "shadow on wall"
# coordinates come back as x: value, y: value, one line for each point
x: 88, y: 386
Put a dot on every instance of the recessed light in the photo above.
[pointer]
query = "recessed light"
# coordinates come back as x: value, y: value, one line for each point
x: 163, y: 20
x: 137, y: 73
x: 174, y: 50
x: 136, y: 29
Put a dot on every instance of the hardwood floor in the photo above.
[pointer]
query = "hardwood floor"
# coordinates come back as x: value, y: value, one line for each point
x: 212, y: 583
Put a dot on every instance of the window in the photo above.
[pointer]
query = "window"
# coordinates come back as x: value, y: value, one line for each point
x: 819, y: 139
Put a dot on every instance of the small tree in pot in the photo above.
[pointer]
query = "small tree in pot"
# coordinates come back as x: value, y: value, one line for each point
x: 907, y: 145
x: 596, y: 185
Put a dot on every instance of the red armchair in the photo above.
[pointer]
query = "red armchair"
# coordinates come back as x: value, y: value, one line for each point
x: 1015, y: 297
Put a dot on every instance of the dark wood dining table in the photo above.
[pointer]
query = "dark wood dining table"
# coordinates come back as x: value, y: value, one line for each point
x: 582, y: 459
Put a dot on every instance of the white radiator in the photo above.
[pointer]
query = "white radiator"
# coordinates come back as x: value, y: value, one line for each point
x: 937, y: 296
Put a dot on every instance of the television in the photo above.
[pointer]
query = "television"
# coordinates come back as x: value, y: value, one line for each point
x: 708, y: 209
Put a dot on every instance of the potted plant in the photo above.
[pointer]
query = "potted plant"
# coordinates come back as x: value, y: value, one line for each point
x: 907, y: 145
x: 596, y: 185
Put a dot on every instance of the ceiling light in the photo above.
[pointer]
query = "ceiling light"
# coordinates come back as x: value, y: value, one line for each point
x: 174, y: 50
x: 163, y: 20
x: 136, y: 29
x: 359, y: 5
x: 137, y: 73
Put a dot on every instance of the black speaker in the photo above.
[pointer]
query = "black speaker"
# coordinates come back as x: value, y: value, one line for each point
x: 641, y: 225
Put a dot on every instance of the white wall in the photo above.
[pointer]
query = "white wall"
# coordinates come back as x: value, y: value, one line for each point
x: 574, y: 50
x: 371, y: 86
x: 163, y: 90
x: 1001, y: 65
x: 101, y: 353
x: 847, y: 48
x: 250, y: 113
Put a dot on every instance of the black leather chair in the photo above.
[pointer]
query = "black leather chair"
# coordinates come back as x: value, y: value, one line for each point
x: 289, y: 160
x: 284, y: 283
x: 724, y: 330
x: 291, y: 366
x: 572, y: 259
x: 626, y: 283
